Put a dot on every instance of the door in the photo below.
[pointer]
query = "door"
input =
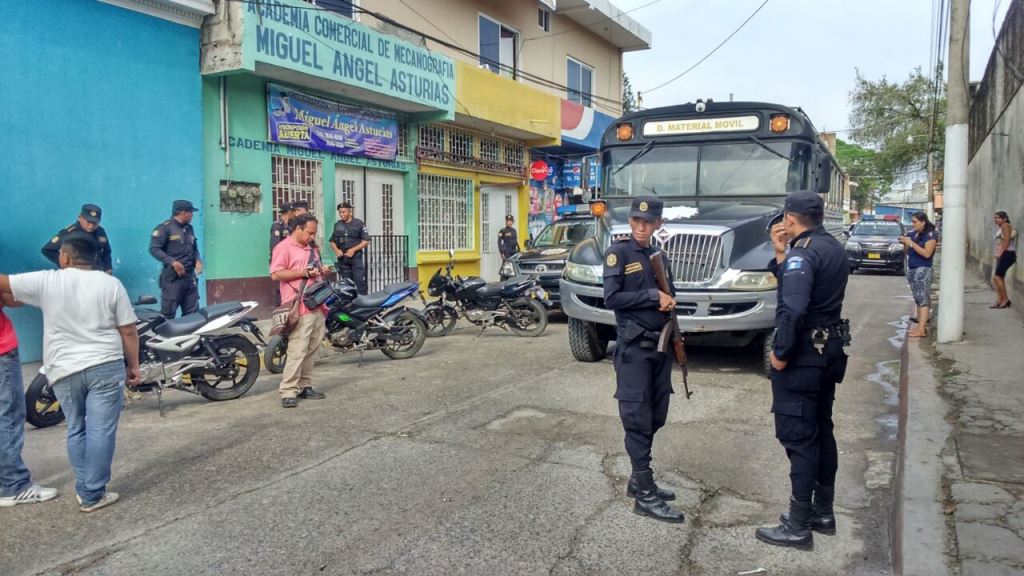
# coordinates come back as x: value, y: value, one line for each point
x: 387, y: 254
x: 495, y: 203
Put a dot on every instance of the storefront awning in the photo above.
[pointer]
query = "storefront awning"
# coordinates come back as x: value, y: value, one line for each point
x: 605, y: 20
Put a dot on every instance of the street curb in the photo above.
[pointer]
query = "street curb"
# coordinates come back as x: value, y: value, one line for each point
x: 896, y: 510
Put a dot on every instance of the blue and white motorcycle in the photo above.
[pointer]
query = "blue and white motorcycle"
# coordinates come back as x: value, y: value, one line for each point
x: 356, y: 323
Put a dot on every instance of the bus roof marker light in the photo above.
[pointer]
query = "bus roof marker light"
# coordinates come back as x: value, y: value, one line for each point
x: 597, y: 209
x: 779, y: 123
x: 624, y: 131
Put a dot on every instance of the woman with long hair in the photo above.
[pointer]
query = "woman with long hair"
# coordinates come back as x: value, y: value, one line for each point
x: 1006, y: 256
x: 920, y: 247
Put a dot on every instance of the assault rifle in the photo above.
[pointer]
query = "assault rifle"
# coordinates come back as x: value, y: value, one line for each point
x: 670, y: 335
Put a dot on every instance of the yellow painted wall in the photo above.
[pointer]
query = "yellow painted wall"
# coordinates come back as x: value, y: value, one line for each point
x: 482, y: 94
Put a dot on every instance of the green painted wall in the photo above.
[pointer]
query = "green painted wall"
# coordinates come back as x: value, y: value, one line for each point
x: 237, y: 245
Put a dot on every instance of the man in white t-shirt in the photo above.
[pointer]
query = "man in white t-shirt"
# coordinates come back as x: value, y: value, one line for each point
x: 88, y: 333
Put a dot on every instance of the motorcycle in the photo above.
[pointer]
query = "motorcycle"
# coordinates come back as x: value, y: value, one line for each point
x: 191, y: 354
x: 356, y: 323
x: 514, y: 304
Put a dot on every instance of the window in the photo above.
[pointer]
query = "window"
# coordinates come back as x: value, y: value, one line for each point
x: 462, y: 144
x: 446, y: 210
x: 544, y: 19
x: 580, y: 80
x: 499, y: 47
x: 346, y: 8
x: 293, y: 179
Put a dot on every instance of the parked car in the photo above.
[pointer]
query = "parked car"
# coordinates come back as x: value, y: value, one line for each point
x: 874, y: 244
x: 545, y: 255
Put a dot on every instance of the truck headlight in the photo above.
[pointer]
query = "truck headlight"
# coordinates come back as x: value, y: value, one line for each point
x: 507, y: 269
x: 586, y: 273
x: 895, y: 247
x: 855, y: 246
x: 752, y: 282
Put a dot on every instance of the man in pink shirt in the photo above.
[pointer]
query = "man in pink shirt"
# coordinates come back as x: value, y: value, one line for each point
x: 296, y: 259
x: 16, y: 486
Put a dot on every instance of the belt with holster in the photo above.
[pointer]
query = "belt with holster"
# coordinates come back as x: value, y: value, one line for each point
x: 838, y: 331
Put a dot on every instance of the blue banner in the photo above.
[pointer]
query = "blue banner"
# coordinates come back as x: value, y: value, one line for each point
x: 299, y: 119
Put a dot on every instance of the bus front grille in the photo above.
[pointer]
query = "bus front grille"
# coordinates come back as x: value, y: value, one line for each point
x: 696, y: 257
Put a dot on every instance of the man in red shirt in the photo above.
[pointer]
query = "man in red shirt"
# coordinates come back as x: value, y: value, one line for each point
x: 295, y: 259
x: 16, y: 486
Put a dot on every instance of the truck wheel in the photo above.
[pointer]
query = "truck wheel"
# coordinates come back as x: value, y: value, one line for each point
x: 585, y: 342
x: 766, y: 352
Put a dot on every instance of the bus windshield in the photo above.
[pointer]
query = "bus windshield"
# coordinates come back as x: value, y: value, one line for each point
x: 753, y: 168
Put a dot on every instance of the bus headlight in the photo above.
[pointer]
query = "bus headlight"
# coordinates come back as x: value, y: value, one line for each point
x: 586, y: 273
x: 752, y: 282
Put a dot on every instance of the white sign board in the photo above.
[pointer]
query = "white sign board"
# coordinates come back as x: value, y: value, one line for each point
x: 702, y: 126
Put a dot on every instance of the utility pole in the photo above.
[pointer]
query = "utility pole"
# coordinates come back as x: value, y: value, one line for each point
x: 954, y: 211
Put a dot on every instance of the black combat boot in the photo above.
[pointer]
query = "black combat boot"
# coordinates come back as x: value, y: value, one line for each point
x: 648, y: 503
x: 823, y: 519
x: 795, y: 531
x: 665, y: 495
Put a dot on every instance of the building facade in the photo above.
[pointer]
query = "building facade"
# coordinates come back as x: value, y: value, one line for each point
x: 98, y: 123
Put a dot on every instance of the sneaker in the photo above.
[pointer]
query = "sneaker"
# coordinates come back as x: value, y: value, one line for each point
x: 30, y: 495
x: 311, y: 394
x: 108, y: 499
x: 289, y: 402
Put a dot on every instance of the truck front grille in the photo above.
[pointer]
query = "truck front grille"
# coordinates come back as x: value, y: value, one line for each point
x: 696, y: 257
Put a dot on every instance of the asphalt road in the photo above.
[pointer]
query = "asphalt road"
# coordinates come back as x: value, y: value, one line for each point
x: 489, y: 455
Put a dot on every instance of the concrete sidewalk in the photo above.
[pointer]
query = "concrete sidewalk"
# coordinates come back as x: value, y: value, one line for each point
x: 961, y: 507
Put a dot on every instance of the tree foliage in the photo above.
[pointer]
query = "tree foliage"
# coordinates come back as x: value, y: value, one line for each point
x: 861, y: 165
x: 899, y: 122
x: 628, y: 96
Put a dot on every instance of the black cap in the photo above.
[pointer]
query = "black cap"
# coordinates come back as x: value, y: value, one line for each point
x: 647, y: 208
x: 91, y: 213
x: 284, y: 207
x: 345, y: 205
x: 510, y: 217
x: 300, y: 204
x: 805, y: 202
x: 183, y: 206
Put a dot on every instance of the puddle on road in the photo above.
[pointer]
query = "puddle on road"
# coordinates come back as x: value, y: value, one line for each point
x: 887, y: 377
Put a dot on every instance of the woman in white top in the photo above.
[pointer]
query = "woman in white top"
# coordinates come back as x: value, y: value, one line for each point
x: 1006, y: 256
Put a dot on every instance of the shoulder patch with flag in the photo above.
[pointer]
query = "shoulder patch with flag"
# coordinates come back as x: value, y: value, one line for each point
x: 794, y: 263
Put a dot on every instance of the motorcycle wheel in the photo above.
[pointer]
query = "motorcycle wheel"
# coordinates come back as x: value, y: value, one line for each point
x: 406, y: 337
x: 527, y: 318
x: 42, y: 409
x: 235, y: 379
x: 440, y: 319
x: 275, y: 353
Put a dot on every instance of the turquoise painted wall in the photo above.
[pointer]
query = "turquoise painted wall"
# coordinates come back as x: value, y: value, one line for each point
x: 102, y: 105
x: 237, y: 245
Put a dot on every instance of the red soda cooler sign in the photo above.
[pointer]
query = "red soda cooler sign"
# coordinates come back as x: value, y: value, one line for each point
x: 539, y: 170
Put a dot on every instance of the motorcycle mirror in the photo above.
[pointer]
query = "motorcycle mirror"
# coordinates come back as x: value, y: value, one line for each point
x: 451, y: 253
x: 145, y: 299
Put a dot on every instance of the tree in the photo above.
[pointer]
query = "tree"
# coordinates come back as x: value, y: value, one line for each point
x: 900, y: 122
x: 628, y: 97
x: 861, y: 165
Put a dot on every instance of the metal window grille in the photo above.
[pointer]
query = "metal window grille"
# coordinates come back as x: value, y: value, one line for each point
x: 508, y: 205
x: 490, y: 150
x: 432, y: 137
x: 293, y: 179
x: 403, y: 140
x: 388, y: 209
x: 445, y: 206
x: 461, y: 144
x: 515, y: 153
x: 485, y: 224
x: 348, y: 192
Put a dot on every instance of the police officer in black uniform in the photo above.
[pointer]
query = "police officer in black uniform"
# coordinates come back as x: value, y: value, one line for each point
x: 508, y: 239
x: 280, y: 229
x: 174, y: 244
x: 807, y: 362
x: 349, y: 240
x: 642, y: 373
x: 89, y: 223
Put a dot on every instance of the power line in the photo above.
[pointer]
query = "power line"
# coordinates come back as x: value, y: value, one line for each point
x: 708, y: 55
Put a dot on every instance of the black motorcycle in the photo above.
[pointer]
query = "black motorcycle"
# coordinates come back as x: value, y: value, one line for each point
x: 191, y: 353
x: 514, y: 304
x: 357, y: 323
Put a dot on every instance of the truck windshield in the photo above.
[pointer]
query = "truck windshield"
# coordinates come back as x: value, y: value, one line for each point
x: 567, y: 233
x: 878, y: 229
x: 753, y: 168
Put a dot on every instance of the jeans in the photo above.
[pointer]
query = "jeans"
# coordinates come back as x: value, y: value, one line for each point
x: 92, y: 400
x: 14, y: 475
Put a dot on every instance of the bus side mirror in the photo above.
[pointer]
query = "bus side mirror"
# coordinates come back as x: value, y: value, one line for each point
x: 825, y: 176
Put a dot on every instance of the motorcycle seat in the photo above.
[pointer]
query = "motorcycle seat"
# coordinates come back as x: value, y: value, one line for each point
x: 377, y: 299
x: 496, y: 288
x: 180, y: 326
x: 218, y: 310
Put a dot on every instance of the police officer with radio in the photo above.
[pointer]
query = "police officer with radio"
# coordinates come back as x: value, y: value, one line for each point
x: 642, y: 373
x: 508, y: 239
x: 174, y: 244
x: 280, y: 229
x: 349, y: 240
x: 89, y: 223
x: 807, y: 362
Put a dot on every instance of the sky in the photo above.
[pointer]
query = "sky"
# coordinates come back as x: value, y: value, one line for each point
x: 794, y: 52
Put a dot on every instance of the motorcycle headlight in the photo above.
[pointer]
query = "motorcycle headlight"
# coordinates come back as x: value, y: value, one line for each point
x: 752, y: 282
x: 853, y: 245
x: 586, y: 273
x: 508, y: 269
